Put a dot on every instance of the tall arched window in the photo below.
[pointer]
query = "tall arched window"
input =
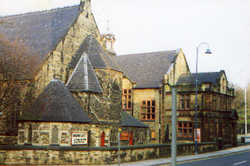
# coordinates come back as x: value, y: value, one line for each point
x: 103, y: 139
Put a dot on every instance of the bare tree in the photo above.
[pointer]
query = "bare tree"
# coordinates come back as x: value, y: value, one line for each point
x: 239, y: 98
x: 17, y: 65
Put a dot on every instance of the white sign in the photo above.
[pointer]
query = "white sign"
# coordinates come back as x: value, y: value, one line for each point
x: 79, y: 138
x: 247, y: 139
x: 198, y: 135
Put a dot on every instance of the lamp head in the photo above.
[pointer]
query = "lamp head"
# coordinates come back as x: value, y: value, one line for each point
x: 208, y: 52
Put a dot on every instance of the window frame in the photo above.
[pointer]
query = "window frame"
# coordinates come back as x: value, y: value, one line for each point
x: 181, y: 128
x: 148, y: 110
x: 214, y: 102
x: 182, y: 102
x: 127, y: 99
x: 185, y: 102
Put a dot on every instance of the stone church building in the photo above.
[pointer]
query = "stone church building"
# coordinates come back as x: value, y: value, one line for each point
x: 77, y: 85
x: 84, y: 92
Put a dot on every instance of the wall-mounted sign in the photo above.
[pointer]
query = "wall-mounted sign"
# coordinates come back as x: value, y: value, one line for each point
x: 79, y: 138
x: 124, y: 136
x: 198, y: 135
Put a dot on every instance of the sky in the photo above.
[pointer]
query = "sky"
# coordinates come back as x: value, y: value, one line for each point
x: 156, y: 25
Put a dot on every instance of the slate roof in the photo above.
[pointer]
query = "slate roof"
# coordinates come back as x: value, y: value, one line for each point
x: 83, y: 78
x: 39, y: 31
x: 97, y: 56
x: 206, y: 77
x: 56, y: 104
x: 130, y: 121
x: 147, y: 69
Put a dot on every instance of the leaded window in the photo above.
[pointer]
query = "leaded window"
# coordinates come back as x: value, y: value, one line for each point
x: 148, y: 110
x: 127, y: 99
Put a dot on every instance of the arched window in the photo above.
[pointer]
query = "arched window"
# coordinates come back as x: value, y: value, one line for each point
x: 103, y: 139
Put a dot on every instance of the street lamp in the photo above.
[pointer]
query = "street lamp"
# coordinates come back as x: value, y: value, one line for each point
x: 173, y: 144
x: 245, y: 98
x: 208, y: 52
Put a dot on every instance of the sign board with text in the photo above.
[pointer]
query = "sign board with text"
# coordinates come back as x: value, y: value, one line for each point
x: 198, y: 135
x: 79, y: 138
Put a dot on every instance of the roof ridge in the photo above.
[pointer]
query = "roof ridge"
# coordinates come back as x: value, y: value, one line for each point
x: 151, y: 52
x: 52, y: 10
x: 207, y: 72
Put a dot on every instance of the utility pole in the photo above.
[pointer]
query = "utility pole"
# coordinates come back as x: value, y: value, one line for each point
x: 173, y: 145
x: 245, y: 111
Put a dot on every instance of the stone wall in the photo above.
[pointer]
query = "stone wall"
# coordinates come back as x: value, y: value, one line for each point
x: 25, y: 155
x: 8, y: 140
x: 181, y: 66
x: 60, y: 134
x: 111, y: 84
x: 107, y: 105
x: 148, y: 94
x: 47, y: 133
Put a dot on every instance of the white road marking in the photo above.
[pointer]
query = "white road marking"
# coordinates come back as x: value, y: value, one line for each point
x: 239, y: 163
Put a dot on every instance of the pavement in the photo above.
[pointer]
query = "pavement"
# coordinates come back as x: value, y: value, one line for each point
x: 167, y: 161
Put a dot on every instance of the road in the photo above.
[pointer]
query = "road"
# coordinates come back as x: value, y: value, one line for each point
x: 237, y: 159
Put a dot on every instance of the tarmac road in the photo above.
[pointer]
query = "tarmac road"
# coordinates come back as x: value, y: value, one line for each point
x: 236, y: 159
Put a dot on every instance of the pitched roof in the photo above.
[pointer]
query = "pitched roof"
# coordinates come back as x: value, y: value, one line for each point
x: 83, y: 78
x: 56, y: 104
x: 206, y: 77
x: 97, y: 56
x: 39, y: 31
x: 147, y: 69
x: 130, y: 121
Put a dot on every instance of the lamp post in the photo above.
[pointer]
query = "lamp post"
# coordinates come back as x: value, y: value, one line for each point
x: 173, y: 144
x: 245, y: 98
x: 196, y: 92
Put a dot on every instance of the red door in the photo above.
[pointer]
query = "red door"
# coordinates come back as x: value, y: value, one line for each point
x: 103, y: 139
x: 130, y: 138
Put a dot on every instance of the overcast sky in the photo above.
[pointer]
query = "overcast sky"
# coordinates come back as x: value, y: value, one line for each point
x: 154, y: 25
